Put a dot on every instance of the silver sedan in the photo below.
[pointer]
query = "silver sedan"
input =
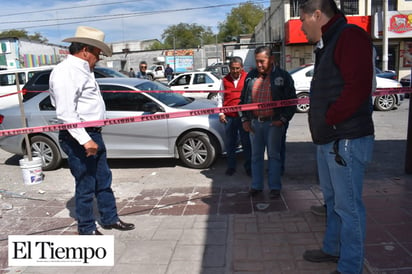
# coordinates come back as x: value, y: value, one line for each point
x: 196, y: 140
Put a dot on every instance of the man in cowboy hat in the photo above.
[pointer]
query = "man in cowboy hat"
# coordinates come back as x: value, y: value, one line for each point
x: 76, y: 96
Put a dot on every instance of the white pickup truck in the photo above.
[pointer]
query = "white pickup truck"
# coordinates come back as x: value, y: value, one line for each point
x: 156, y: 72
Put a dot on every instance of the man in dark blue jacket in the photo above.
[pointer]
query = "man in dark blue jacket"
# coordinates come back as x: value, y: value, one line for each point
x: 267, y: 127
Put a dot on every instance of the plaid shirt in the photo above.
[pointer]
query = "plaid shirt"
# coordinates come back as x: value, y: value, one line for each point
x: 262, y: 93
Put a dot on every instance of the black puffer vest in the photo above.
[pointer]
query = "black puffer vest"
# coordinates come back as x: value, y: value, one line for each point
x: 326, y: 86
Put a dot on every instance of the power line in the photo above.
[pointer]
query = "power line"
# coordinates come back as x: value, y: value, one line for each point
x: 117, y: 16
x: 72, y: 7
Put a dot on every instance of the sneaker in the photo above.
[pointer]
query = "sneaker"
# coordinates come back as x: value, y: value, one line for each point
x: 230, y: 171
x: 253, y: 192
x: 318, y: 210
x: 274, y: 194
x: 318, y: 256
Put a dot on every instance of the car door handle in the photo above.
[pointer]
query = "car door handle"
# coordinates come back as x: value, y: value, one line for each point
x: 210, y: 86
x: 186, y: 87
x: 54, y: 121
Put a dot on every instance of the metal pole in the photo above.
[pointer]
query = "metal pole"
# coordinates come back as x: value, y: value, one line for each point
x: 217, y: 59
x: 385, y: 37
x: 408, y: 156
x: 174, y: 54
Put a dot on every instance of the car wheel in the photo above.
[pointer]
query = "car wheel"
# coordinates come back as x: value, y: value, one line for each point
x: 150, y: 77
x: 196, y: 150
x: 302, y: 108
x: 45, y: 148
x: 212, y: 96
x: 385, y: 102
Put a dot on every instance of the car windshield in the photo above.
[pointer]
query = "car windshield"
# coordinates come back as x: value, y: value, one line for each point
x: 168, y: 98
x: 291, y: 71
x: 111, y: 72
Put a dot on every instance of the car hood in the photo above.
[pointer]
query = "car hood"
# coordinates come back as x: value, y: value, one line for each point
x: 200, y: 103
x: 386, y: 83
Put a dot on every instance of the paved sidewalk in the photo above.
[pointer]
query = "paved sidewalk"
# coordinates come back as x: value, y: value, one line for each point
x: 201, y: 221
x: 220, y: 230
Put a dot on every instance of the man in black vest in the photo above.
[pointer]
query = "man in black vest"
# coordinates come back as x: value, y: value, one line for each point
x: 340, y: 120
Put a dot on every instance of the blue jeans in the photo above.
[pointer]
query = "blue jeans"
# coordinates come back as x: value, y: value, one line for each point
x: 342, y: 191
x: 233, y: 130
x: 93, y: 179
x: 266, y: 136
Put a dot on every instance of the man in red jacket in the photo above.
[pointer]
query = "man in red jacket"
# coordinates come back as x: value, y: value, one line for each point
x: 233, y: 85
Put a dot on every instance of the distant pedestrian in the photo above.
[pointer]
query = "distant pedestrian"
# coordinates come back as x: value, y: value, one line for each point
x: 169, y: 73
x: 142, y: 71
x: 131, y: 73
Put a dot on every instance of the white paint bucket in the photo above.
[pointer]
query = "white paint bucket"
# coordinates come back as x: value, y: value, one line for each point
x: 32, y: 170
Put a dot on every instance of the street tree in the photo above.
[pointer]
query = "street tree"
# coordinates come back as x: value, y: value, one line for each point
x: 23, y: 34
x: 241, y: 20
x: 183, y: 35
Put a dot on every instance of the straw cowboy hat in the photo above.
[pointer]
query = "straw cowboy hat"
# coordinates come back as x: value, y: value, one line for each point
x: 92, y: 37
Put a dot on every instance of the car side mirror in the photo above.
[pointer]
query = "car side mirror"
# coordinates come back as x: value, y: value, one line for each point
x: 151, y: 107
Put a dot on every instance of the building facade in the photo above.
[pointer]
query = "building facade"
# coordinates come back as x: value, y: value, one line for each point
x: 22, y: 53
x: 281, y: 24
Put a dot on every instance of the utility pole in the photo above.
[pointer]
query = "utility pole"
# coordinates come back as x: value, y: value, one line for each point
x: 174, y: 54
x: 385, y: 36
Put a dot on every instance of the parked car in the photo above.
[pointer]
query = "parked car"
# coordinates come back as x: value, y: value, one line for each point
x: 197, y: 81
x: 196, y: 140
x: 8, y: 83
x: 220, y: 70
x: 302, y: 76
x: 388, y: 74
x: 40, y: 80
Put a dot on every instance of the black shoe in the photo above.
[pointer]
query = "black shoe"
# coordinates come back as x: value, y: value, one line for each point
x: 318, y: 210
x: 318, y: 256
x: 230, y: 171
x: 274, y: 194
x: 120, y: 225
x: 253, y: 192
x: 96, y: 232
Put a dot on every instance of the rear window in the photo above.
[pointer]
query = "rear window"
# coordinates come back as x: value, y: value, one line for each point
x: 9, y: 79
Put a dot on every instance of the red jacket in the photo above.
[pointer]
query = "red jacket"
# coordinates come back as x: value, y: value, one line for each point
x: 231, y: 96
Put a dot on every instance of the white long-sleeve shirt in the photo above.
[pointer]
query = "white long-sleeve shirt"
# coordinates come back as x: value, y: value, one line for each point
x: 76, y: 95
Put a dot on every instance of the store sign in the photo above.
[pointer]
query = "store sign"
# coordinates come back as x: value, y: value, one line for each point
x: 294, y: 34
x: 399, y: 24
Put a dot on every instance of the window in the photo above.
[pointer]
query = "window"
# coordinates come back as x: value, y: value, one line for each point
x: 202, y: 78
x: 309, y: 73
x: 183, y: 80
x: 46, y: 104
x: 123, y: 101
x: 377, y: 5
x: 10, y: 79
x: 43, y: 79
x: 199, y: 79
x: 349, y: 7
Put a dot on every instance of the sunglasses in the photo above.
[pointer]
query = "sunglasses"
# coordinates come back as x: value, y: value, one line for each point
x: 338, y: 158
x: 143, y: 67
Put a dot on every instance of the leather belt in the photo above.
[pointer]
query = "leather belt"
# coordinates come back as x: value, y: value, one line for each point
x: 262, y: 119
x: 93, y: 129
